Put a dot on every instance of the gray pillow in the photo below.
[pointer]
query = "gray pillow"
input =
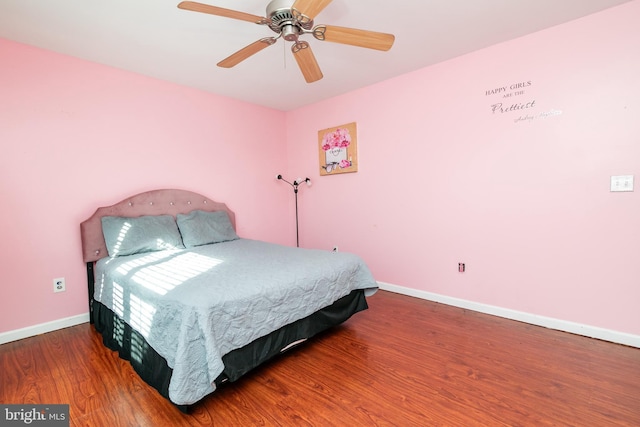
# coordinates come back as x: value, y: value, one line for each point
x: 203, y: 228
x: 128, y: 236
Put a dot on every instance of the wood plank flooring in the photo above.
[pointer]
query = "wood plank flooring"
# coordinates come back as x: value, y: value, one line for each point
x: 403, y: 362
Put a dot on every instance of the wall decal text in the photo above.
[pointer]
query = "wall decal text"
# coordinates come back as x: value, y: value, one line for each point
x: 507, y: 104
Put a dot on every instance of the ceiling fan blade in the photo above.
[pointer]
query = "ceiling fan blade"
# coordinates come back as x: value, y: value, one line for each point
x: 310, y: 8
x: 306, y: 61
x: 354, y: 37
x: 246, y: 52
x: 220, y: 11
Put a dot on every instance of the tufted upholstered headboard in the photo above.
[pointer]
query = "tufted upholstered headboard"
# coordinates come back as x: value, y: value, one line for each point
x: 155, y: 202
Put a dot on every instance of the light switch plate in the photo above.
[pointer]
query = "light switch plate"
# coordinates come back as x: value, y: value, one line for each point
x: 622, y: 183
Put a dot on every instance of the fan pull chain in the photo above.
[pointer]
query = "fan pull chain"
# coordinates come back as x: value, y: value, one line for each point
x: 284, y: 55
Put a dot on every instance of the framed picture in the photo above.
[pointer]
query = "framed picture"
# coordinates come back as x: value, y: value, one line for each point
x: 338, y: 150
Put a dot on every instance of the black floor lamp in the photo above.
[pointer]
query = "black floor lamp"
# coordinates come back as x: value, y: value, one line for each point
x: 295, y: 185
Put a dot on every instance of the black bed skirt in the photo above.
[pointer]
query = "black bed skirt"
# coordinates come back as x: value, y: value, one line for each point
x: 153, y: 368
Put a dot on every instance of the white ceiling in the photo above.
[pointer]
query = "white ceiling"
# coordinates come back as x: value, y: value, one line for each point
x: 155, y: 38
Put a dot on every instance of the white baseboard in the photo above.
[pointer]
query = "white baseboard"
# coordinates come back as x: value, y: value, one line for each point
x: 42, y: 328
x: 534, y: 319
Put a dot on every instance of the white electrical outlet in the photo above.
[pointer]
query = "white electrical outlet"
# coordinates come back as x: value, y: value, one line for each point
x: 622, y: 183
x: 59, y: 285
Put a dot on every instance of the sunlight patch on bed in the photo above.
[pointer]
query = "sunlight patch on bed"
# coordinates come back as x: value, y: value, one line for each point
x: 167, y: 275
x: 125, y: 268
x: 118, y: 299
x: 164, y: 246
x: 141, y: 315
x: 139, y: 348
x: 123, y: 233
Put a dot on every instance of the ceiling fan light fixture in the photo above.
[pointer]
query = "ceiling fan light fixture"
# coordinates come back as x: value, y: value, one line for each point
x: 290, y: 32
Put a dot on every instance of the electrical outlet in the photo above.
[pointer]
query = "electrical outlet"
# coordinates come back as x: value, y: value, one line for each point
x: 335, y: 249
x: 622, y: 183
x: 59, y: 285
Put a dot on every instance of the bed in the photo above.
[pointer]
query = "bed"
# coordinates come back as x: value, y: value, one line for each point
x: 191, y: 305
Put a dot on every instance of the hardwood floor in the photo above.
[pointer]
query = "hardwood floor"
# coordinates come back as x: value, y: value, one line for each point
x: 403, y: 362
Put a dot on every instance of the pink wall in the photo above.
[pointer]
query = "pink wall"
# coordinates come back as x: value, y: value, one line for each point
x: 77, y: 135
x: 442, y: 179
x: 526, y: 205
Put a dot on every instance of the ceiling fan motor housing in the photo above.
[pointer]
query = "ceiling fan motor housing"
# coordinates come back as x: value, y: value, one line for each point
x: 283, y: 21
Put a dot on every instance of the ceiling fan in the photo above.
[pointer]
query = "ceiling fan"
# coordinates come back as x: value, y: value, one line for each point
x: 290, y: 19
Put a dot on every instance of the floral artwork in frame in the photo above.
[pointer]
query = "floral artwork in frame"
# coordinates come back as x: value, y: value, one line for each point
x: 338, y: 150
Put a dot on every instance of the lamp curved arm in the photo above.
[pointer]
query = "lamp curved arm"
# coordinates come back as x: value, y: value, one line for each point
x: 296, y: 182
